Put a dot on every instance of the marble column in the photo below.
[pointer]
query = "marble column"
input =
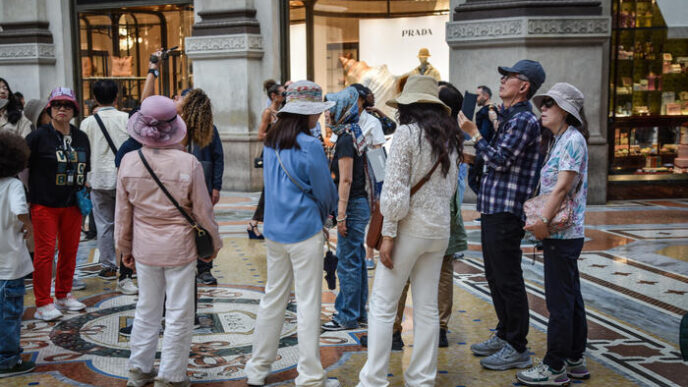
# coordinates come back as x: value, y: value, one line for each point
x: 229, y: 63
x: 569, y: 37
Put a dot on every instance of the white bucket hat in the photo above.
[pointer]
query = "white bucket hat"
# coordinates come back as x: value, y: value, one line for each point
x: 419, y: 89
x: 567, y: 97
x: 305, y: 98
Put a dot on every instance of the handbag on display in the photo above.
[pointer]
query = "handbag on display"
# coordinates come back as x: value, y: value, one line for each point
x: 374, y: 238
x: 204, y: 242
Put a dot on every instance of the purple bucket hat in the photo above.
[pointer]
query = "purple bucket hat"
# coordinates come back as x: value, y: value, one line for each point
x: 157, y: 124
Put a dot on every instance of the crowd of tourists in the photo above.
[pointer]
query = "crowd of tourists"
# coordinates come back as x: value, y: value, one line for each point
x: 392, y: 185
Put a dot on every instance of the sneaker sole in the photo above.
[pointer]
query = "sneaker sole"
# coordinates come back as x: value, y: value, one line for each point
x: 481, y: 353
x: 37, y: 317
x: 578, y: 376
x: 504, y: 367
x: 16, y: 373
x: 65, y: 309
x: 128, y: 293
x: 547, y: 383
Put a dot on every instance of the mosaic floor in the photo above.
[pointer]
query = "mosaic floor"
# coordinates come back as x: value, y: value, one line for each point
x: 634, y: 273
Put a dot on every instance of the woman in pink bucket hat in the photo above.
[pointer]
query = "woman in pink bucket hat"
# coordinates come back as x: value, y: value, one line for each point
x: 156, y: 239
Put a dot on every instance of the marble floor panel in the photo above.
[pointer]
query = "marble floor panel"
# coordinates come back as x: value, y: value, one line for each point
x: 634, y: 277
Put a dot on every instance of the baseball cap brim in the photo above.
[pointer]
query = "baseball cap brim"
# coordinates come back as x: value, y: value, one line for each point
x: 507, y: 70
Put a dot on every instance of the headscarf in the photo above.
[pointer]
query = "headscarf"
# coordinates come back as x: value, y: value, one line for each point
x: 345, y: 116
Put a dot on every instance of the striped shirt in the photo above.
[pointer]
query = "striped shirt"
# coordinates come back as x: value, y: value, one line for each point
x: 512, y: 161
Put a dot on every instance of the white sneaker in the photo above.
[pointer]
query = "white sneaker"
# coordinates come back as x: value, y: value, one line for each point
x: 70, y: 303
x: 127, y: 286
x: 47, y: 313
x: 332, y: 383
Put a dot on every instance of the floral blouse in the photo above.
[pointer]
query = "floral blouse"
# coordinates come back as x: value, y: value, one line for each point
x: 569, y: 153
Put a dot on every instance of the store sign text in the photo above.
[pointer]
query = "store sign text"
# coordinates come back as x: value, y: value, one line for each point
x: 416, y: 32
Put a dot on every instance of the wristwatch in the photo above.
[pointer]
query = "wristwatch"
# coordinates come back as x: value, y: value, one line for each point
x: 477, y: 137
x: 155, y: 72
x: 544, y: 220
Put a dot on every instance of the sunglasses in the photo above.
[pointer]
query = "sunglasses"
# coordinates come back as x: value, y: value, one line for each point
x: 520, y: 77
x: 548, y: 103
x: 58, y: 105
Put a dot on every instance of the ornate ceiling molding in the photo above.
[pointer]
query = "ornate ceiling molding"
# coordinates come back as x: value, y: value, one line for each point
x: 224, y: 46
x: 27, y: 53
x: 532, y: 29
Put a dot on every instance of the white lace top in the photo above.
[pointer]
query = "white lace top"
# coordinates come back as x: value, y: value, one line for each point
x: 425, y: 214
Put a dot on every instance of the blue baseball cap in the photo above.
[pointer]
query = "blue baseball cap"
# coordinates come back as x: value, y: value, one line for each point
x: 531, y: 69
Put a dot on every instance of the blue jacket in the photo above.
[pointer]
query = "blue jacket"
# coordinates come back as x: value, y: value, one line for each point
x: 291, y: 215
x: 213, y: 160
x: 128, y: 146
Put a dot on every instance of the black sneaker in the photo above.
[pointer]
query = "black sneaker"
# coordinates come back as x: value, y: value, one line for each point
x: 126, y: 331
x: 108, y: 273
x: 397, y: 342
x: 333, y: 326
x: 206, y: 278
x: 21, y: 367
x: 444, y: 343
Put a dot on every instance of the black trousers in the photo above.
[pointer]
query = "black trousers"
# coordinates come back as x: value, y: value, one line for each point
x: 567, y: 329
x: 258, y: 214
x: 501, y: 235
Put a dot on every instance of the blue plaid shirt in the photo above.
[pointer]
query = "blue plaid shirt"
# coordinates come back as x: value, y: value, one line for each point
x: 512, y: 161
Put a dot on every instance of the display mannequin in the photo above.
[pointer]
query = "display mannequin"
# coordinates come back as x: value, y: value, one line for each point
x: 425, y: 68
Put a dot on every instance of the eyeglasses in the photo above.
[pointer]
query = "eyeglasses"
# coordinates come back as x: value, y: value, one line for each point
x: 506, y: 77
x: 65, y: 105
x: 548, y: 103
x: 284, y: 94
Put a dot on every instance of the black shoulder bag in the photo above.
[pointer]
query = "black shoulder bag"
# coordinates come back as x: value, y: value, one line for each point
x: 113, y: 148
x: 204, y: 242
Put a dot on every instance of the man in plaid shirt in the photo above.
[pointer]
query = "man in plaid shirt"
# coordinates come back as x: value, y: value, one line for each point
x: 512, y: 163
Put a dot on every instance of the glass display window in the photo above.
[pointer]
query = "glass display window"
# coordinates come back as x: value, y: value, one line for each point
x: 648, y: 107
x: 117, y: 43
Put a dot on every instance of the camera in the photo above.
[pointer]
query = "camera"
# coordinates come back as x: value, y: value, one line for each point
x: 165, y: 54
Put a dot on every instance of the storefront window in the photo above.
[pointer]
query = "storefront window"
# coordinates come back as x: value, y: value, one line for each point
x: 370, y: 42
x: 117, y: 43
x: 648, y: 96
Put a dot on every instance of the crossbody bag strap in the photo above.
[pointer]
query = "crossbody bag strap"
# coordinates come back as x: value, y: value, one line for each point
x: 113, y: 148
x: 166, y: 192
x: 289, y: 176
x: 425, y: 178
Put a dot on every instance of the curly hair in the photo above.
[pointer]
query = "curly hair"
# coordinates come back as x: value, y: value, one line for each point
x: 198, y: 115
x: 439, y: 128
x: 14, y: 154
x: 13, y: 106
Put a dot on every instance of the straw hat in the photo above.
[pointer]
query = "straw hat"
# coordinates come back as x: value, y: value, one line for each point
x: 418, y: 89
x: 567, y: 97
x: 424, y: 53
x: 157, y: 123
x: 305, y: 98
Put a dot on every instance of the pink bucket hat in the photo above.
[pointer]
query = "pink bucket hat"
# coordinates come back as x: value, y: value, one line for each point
x: 157, y: 124
x: 63, y: 94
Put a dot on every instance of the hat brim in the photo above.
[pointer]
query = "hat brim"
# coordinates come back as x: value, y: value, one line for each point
x: 562, y: 103
x: 409, y: 98
x: 64, y: 98
x: 306, y: 108
x: 176, y: 138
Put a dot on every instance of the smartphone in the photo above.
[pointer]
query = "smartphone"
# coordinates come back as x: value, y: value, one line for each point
x: 468, y: 106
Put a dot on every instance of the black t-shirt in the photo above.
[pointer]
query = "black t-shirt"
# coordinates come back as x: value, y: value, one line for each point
x: 345, y: 148
x: 57, y: 168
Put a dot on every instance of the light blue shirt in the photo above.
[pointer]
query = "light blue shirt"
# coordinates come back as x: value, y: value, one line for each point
x: 291, y: 215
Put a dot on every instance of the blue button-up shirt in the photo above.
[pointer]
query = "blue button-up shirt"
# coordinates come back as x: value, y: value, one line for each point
x: 512, y: 160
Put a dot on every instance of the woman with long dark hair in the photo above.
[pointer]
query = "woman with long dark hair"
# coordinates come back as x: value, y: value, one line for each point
x: 420, y: 180
x: 268, y: 119
x: 564, y: 175
x: 11, y: 117
x: 300, y: 194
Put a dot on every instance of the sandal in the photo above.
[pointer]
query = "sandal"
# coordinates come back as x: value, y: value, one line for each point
x: 253, y: 232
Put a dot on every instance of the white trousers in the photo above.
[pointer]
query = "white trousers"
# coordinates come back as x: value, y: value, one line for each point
x: 301, y: 263
x: 177, y: 282
x: 420, y: 260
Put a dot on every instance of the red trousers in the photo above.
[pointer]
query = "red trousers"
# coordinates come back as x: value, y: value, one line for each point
x: 52, y: 224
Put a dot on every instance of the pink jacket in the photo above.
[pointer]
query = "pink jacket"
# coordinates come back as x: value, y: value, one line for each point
x: 147, y: 225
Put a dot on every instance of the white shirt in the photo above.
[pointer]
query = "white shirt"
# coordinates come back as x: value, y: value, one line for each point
x: 371, y: 129
x: 103, y: 173
x: 15, y: 261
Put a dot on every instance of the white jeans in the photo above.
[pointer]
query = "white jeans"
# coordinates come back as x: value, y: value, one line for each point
x: 301, y: 263
x: 420, y: 260
x: 177, y: 282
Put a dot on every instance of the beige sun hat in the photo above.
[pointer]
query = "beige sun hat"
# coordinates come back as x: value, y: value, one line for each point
x: 418, y: 89
x: 424, y: 53
x: 567, y: 97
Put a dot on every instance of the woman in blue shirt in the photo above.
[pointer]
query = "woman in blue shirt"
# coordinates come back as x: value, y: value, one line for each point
x: 299, y: 194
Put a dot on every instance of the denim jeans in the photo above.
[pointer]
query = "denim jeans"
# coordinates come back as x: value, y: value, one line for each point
x: 11, y: 310
x: 350, y: 305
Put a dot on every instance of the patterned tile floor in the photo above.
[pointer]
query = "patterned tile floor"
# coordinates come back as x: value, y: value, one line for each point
x: 634, y: 273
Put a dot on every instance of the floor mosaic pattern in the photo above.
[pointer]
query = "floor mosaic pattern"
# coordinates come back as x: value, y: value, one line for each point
x: 634, y: 272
